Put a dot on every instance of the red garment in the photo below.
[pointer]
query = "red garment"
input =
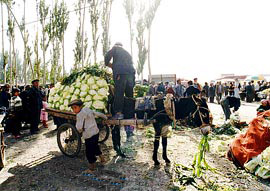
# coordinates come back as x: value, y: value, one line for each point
x: 170, y: 91
x: 253, y: 142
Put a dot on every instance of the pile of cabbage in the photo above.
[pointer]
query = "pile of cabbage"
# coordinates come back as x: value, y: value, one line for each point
x: 92, y: 90
x: 260, y: 165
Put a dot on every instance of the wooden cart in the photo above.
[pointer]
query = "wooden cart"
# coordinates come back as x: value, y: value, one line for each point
x: 69, y: 139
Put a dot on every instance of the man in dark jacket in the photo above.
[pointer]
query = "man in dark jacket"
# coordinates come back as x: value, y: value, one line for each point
x: 5, y: 96
x: 250, y: 92
x: 123, y: 75
x: 211, y: 92
x: 34, y: 97
x: 191, y: 90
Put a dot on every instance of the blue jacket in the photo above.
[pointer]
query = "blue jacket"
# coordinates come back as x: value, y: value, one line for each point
x: 122, y: 61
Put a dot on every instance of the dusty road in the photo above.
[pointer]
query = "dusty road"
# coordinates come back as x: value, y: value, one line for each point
x: 36, y: 163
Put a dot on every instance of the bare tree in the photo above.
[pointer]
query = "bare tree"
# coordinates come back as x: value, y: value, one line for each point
x: 94, y: 18
x: 150, y: 15
x: 142, y: 51
x: 106, y: 17
x: 43, y: 12
x: 3, y: 45
x: 129, y: 6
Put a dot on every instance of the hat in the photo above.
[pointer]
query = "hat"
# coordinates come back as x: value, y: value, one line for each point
x: 36, y: 80
x: 75, y: 102
x: 118, y: 44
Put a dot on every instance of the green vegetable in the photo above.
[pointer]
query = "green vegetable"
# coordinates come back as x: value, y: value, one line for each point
x: 200, y: 157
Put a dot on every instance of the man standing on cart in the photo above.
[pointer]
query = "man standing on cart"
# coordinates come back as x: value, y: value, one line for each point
x: 123, y: 76
x: 124, y: 82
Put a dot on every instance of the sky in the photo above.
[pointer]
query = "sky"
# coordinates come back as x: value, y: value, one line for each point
x: 190, y: 38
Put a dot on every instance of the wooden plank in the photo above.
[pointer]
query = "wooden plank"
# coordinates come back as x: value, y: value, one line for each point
x: 126, y: 122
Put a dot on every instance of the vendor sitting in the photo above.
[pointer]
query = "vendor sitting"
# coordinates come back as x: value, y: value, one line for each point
x: 230, y: 102
x: 265, y: 105
x: 86, y: 124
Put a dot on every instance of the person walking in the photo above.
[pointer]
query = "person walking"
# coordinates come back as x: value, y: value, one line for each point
x: 250, y: 93
x: 211, y: 93
x: 206, y: 90
x: 123, y: 76
x: 34, y: 101
x: 219, y: 91
x: 179, y: 89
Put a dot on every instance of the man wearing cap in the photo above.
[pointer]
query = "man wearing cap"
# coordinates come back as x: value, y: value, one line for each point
x: 34, y: 105
x: 123, y: 75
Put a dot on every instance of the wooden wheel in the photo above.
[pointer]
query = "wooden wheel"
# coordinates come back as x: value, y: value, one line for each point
x: 69, y: 140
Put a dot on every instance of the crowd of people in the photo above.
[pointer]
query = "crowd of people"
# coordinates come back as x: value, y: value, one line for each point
x: 214, y: 91
x: 24, y: 105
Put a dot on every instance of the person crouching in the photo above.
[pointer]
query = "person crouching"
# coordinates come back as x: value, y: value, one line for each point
x: 86, y: 124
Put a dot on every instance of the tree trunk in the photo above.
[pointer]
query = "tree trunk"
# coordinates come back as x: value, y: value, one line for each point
x: 149, y: 64
x: 10, y: 53
x: 14, y: 61
x: 131, y: 39
x: 142, y: 78
x: 43, y: 50
x: 63, y: 54
x: 24, y: 40
x: 3, y: 44
x: 82, y: 33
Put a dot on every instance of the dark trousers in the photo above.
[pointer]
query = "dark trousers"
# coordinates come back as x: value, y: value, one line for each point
x: 212, y: 99
x: 124, y: 84
x: 35, y: 120
x: 92, y: 149
x: 116, y: 138
x: 15, y: 124
x: 226, y: 108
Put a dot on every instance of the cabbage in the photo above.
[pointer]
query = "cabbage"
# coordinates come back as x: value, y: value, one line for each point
x: 78, y: 84
x: 88, y: 98
x: 66, y: 102
x: 91, y: 81
x: 253, y: 163
x: 97, y: 97
x: 98, y: 104
x: 95, y: 87
x: 103, y: 92
x: 92, y: 92
x: 84, y: 88
x: 83, y: 94
x: 77, y: 92
x: 71, y: 89
x: 101, y: 83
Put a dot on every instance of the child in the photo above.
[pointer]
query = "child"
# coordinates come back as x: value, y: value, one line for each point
x: 86, y: 123
x: 44, y: 114
x: 16, y: 113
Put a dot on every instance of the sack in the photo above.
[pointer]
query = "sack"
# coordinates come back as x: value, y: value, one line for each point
x: 145, y: 103
x: 166, y: 131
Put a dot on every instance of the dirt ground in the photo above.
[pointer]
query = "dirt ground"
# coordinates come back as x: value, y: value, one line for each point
x: 36, y: 163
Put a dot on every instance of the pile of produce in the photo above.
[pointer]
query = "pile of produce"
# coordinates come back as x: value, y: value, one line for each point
x: 266, y: 91
x: 260, y: 165
x: 91, y: 85
x: 140, y: 90
x: 231, y: 126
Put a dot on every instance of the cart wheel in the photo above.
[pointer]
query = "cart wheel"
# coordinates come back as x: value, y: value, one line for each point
x: 2, y: 151
x: 104, y: 133
x: 69, y: 140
